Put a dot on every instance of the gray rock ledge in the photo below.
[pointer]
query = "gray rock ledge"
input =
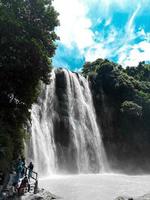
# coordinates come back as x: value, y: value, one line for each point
x: 145, y: 197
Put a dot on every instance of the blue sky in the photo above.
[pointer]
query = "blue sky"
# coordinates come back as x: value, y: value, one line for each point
x: 118, y: 30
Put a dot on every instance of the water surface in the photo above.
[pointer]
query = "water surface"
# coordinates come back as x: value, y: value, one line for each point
x: 96, y: 187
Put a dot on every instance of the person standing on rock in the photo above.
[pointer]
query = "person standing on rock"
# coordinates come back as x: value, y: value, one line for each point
x: 18, y: 170
x: 30, y: 167
x: 23, y: 167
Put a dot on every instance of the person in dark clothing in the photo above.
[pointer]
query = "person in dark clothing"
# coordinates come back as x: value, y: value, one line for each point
x: 23, y: 166
x: 1, y: 178
x: 23, y: 186
x: 18, y: 170
x: 30, y: 167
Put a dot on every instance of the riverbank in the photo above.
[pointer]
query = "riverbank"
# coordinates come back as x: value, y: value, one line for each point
x: 42, y: 194
x: 45, y: 195
x: 97, y: 186
x: 144, y: 197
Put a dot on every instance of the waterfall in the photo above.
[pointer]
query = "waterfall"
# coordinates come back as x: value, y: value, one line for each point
x: 65, y: 137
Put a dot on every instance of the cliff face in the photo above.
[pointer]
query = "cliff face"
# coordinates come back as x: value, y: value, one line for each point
x: 65, y: 135
x: 123, y: 115
x: 107, y: 117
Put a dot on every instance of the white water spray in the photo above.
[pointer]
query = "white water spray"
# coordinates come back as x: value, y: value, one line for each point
x: 65, y: 135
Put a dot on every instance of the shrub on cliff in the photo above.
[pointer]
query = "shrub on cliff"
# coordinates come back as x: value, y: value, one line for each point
x: 131, y: 108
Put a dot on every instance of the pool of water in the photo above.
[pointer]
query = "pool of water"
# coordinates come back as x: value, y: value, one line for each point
x: 96, y: 186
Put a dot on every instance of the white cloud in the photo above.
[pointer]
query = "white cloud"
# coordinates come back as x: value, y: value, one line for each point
x: 131, y: 54
x: 139, y: 52
x: 74, y: 26
x: 130, y: 24
x: 108, y: 21
x: 96, y: 51
x: 75, y: 30
x: 113, y: 35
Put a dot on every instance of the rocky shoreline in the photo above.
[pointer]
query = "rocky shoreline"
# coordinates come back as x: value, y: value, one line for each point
x: 45, y: 195
x: 144, y: 197
x: 41, y: 194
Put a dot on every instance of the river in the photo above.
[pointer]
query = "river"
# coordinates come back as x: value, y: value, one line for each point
x: 96, y: 186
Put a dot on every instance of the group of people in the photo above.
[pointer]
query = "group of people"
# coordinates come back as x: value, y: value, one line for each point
x: 23, y: 175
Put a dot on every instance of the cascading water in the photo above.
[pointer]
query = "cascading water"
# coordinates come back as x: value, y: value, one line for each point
x: 41, y: 149
x: 65, y: 135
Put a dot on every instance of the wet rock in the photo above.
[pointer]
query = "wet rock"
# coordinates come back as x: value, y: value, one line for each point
x: 42, y: 194
x: 123, y: 198
x: 144, y: 197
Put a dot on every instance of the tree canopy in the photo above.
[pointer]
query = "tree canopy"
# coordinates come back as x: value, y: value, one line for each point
x: 27, y: 44
x: 122, y: 101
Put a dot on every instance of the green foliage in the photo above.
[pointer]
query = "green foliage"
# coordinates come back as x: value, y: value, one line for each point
x: 131, y: 108
x: 92, y: 67
x: 27, y: 44
x: 125, y: 84
x: 122, y: 100
x: 6, y: 148
x: 141, y: 72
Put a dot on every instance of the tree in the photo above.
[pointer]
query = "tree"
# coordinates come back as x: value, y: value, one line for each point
x: 27, y: 44
x: 141, y: 72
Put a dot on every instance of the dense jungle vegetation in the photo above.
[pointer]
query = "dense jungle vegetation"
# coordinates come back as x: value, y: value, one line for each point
x: 122, y: 102
x: 27, y: 44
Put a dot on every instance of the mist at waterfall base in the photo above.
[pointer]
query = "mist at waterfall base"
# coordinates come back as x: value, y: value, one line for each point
x: 97, y: 186
x: 66, y: 140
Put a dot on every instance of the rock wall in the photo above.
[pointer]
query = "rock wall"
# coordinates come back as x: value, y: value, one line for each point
x: 125, y: 136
